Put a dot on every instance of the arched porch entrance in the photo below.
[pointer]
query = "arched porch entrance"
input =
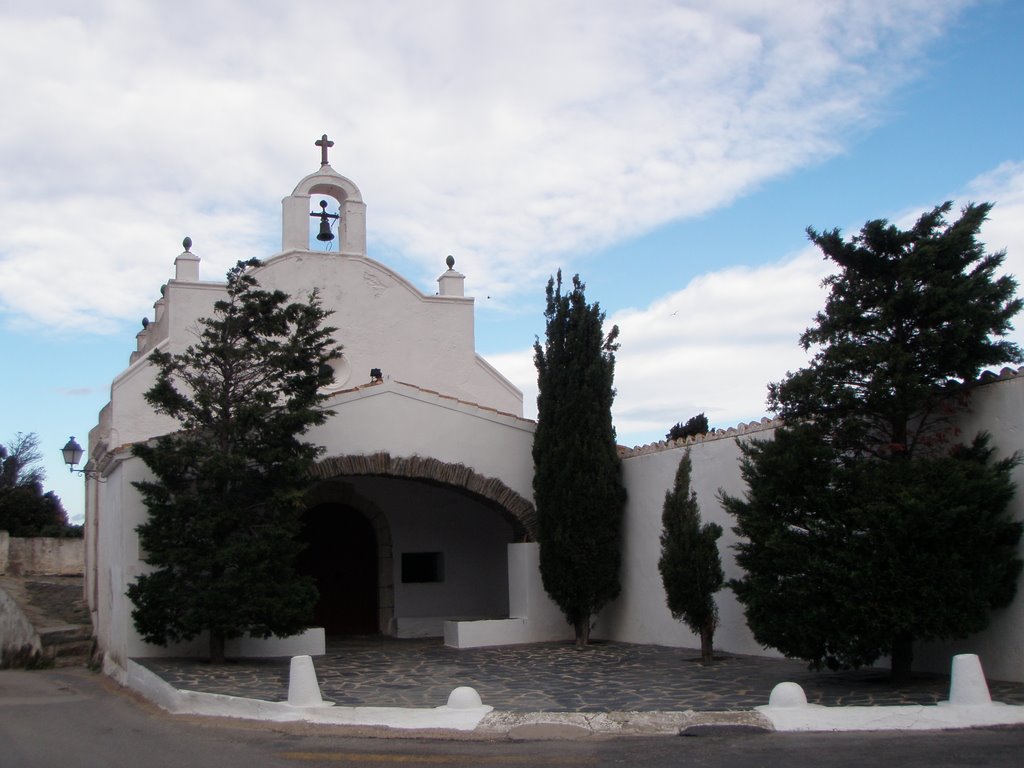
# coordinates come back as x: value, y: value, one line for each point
x: 411, y: 543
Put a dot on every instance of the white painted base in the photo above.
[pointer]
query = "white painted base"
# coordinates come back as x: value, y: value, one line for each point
x: 431, y: 626
x: 467, y: 718
x: 971, y: 707
x: 534, y: 617
x: 912, y: 717
x: 178, y: 702
x: 419, y: 626
x: 482, y: 634
x: 312, y: 642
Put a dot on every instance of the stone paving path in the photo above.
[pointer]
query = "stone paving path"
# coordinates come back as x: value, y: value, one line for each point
x: 552, y: 677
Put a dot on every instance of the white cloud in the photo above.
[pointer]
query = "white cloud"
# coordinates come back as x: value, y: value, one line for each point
x: 711, y: 347
x: 505, y: 133
x: 1004, y: 230
x: 714, y: 345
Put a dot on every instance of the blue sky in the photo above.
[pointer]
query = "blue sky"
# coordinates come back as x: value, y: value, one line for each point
x: 672, y: 153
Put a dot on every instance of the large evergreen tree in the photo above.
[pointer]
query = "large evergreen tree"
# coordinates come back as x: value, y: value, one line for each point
x: 226, y: 499
x: 577, y: 484
x: 910, y: 317
x: 866, y: 525
x: 690, y: 566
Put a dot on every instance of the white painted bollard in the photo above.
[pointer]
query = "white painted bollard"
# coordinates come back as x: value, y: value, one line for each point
x: 787, y: 696
x: 303, y: 689
x: 464, y: 697
x: 967, y: 686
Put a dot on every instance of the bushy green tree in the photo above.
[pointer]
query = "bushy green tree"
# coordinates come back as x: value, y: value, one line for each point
x: 866, y: 524
x: 25, y: 508
x: 577, y: 482
x: 695, y: 425
x: 690, y: 565
x: 225, y: 503
x: 28, y: 510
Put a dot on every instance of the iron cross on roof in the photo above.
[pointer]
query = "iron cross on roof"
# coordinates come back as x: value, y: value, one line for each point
x: 324, y: 143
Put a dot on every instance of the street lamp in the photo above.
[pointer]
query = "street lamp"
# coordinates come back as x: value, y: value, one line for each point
x: 72, y: 455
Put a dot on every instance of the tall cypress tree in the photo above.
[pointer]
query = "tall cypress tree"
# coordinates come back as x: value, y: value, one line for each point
x: 690, y: 566
x: 577, y: 484
x: 866, y: 525
x: 225, y: 503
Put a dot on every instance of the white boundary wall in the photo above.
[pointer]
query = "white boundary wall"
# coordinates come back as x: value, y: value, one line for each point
x: 640, y: 615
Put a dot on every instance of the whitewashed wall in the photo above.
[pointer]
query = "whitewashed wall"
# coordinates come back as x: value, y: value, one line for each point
x: 118, y: 565
x: 404, y: 420
x: 472, y: 539
x: 640, y: 615
x: 384, y: 322
x: 996, y: 408
x: 393, y: 417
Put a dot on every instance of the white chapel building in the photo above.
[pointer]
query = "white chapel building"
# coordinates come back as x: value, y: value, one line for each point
x: 420, y: 516
x: 424, y: 487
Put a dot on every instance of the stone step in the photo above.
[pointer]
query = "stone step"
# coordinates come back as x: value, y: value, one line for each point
x: 55, y: 608
x: 73, y: 654
x: 67, y: 646
x: 56, y: 600
x: 69, y: 633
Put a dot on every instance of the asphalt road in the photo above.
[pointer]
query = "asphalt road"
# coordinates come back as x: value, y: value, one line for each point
x: 72, y: 718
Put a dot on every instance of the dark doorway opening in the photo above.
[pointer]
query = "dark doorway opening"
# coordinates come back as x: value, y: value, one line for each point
x: 341, y: 555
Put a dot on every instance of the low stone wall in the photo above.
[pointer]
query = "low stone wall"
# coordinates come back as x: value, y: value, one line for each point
x: 41, y: 556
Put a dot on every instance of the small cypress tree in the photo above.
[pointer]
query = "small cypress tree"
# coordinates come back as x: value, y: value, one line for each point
x: 577, y: 484
x: 690, y: 566
x: 226, y: 500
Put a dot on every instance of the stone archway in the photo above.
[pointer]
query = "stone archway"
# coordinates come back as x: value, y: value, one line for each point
x: 519, y: 512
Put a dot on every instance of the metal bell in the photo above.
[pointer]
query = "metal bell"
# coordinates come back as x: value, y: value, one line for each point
x: 325, y: 235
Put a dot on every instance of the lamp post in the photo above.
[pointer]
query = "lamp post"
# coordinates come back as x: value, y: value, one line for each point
x: 72, y: 452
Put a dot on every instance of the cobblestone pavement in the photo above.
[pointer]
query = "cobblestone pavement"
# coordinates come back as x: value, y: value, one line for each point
x: 552, y: 677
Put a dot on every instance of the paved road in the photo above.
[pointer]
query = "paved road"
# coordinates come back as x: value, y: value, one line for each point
x: 72, y: 718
